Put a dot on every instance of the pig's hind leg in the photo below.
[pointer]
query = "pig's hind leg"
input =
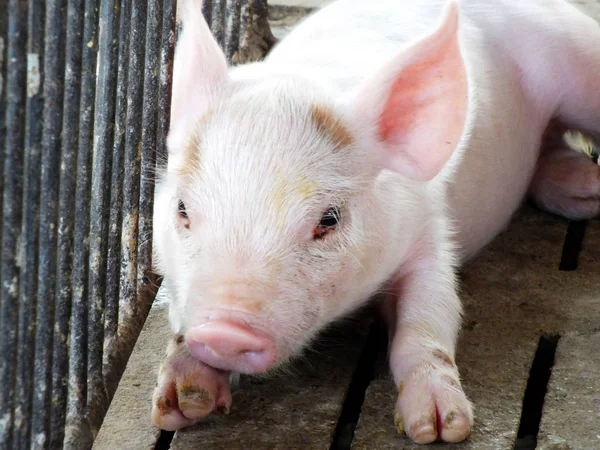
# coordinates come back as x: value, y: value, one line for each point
x: 567, y: 181
x: 187, y: 390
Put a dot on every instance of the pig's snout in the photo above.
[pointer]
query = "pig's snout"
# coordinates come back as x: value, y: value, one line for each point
x: 229, y: 345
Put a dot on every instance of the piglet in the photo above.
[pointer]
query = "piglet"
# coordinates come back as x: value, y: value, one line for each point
x: 378, y: 146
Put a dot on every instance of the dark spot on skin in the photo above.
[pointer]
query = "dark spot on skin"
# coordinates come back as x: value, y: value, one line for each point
x: 399, y: 422
x: 450, y: 418
x: 191, y: 394
x: 195, y: 401
x: 444, y: 357
x: 164, y: 405
x: 179, y: 339
x: 450, y: 380
x: 331, y: 127
x: 192, y: 156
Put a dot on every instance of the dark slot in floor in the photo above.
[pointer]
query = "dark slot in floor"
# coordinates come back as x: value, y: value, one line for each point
x: 164, y: 440
x: 535, y: 393
x: 541, y: 369
x: 375, y: 345
x: 573, y: 242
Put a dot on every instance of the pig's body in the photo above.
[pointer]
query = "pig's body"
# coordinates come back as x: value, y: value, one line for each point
x: 501, y: 144
x: 378, y: 144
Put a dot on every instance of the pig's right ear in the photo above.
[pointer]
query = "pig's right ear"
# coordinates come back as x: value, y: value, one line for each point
x: 199, y: 73
x: 416, y: 105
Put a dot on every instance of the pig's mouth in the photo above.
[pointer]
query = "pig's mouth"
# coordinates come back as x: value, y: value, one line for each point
x: 233, y: 346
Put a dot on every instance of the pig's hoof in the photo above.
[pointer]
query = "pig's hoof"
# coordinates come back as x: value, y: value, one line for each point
x: 432, y: 406
x: 187, y: 391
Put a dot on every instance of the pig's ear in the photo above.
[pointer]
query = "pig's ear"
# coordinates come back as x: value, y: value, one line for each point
x: 418, y: 102
x: 199, y: 72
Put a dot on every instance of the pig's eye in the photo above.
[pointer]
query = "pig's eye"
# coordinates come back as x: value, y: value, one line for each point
x: 181, y: 208
x: 183, y: 214
x: 329, y: 222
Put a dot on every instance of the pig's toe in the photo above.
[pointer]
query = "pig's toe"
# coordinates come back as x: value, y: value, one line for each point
x: 195, y: 403
x: 165, y: 411
x: 431, y: 406
x: 204, y: 393
x: 187, y: 391
x: 423, y: 431
x: 456, y: 426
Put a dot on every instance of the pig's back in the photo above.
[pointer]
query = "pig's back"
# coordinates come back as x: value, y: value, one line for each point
x: 345, y: 41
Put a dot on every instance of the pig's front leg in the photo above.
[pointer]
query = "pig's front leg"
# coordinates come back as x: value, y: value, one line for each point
x: 425, y: 318
x: 187, y: 390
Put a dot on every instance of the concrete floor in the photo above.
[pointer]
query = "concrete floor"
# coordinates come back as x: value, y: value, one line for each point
x: 513, y: 294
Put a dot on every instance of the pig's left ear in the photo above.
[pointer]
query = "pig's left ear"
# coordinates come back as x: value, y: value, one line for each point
x: 418, y: 102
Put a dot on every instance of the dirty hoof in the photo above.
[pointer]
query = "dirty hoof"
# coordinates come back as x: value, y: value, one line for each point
x: 187, y: 390
x: 432, y: 406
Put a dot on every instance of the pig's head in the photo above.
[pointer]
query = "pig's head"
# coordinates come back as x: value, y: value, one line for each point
x: 268, y: 222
